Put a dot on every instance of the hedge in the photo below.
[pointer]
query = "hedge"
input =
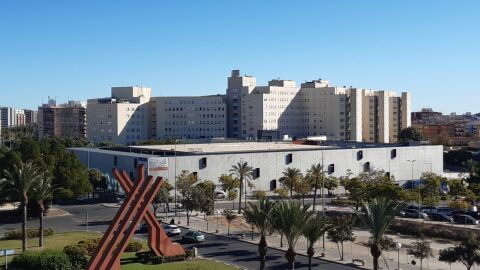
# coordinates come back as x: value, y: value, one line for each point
x: 31, y: 233
x: 45, y: 260
x: 134, y: 247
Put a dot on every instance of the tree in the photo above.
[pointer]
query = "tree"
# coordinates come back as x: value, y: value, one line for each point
x: 315, y: 177
x: 357, y: 189
x: 230, y: 185
x: 377, y: 216
x: 430, y: 188
x: 340, y: 232
x: 313, y: 231
x: 421, y: 250
x: 456, y: 187
x: 42, y: 191
x: 410, y: 134
x: 97, y: 180
x: 185, y: 183
x: 291, y: 218
x: 19, y: 182
x: 331, y: 183
x: 229, y: 216
x: 163, y: 197
x: 291, y: 178
x: 302, y: 188
x: 260, y: 216
x: 206, y: 199
x: 472, y: 167
x: 243, y: 172
x: 467, y: 252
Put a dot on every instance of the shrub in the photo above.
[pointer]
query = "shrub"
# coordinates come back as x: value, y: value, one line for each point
x: 134, y: 247
x: 77, y: 255
x: 31, y: 233
x: 343, y: 202
x: 170, y: 259
x: 64, y: 194
x: 461, y: 205
x: 45, y: 260
x: 90, y: 245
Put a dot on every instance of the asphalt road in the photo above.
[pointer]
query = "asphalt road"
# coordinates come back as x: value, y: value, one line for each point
x: 245, y: 254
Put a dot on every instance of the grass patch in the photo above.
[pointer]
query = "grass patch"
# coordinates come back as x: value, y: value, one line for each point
x: 198, y: 264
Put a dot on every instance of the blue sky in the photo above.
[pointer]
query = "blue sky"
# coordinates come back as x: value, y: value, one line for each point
x: 79, y: 49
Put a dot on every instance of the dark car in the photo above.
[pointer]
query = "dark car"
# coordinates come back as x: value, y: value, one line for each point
x: 412, y: 213
x: 457, y: 212
x: 465, y: 219
x: 440, y: 217
x: 429, y: 209
x: 414, y: 207
x: 473, y: 214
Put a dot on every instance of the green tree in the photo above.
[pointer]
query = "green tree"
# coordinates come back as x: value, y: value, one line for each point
x: 467, y: 253
x: 331, y: 183
x: 230, y: 184
x: 302, y: 188
x: 316, y: 177
x: 206, y: 199
x: 291, y: 178
x: 260, y: 215
x: 313, y: 231
x: 456, y: 187
x: 243, y: 172
x: 41, y: 192
x: 19, y: 182
x: 340, y: 232
x: 291, y: 218
x: 185, y: 184
x: 97, y: 179
x: 409, y: 134
x: 421, y: 250
x: 356, y: 188
x: 163, y: 197
x: 472, y: 167
x: 430, y: 189
x: 229, y: 216
x: 377, y: 216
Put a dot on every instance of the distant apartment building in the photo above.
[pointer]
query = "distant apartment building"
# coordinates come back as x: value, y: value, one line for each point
x: 316, y: 108
x: 12, y: 117
x: 189, y: 117
x: 31, y: 117
x: 62, y: 120
x: 123, y: 118
x: 452, y: 129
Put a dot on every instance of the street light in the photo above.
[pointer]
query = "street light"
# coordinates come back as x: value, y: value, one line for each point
x: 175, y: 176
x: 418, y: 187
x: 399, y: 245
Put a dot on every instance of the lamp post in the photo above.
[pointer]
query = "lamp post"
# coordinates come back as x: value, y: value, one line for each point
x: 398, y: 245
x: 175, y: 175
x: 418, y: 187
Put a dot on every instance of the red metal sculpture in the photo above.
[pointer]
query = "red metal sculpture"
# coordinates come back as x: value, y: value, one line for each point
x: 135, y: 208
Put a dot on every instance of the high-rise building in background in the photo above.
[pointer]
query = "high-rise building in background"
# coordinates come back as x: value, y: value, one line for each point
x: 247, y: 111
x: 31, y: 117
x: 62, y: 120
x: 12, y: 117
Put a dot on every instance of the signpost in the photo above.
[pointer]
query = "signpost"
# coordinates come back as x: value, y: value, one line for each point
x: 6, y: 252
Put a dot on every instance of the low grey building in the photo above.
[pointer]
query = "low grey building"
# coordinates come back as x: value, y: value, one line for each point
x: 269, y: 160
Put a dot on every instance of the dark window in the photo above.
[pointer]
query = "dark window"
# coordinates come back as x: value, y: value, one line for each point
x: 288, y: 159
x: 114, y: 160
x: 195, y: 175
x: 256, y: 173
x: 360, y: 155
x: 135, y: 163
x: 331, y: 168
x: 203, y: 163
x: 131, y: 175
x: 393, y: 153
x: 273, y: 185
x: 366, y: 167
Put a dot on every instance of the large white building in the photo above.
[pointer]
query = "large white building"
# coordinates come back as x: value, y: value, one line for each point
x: 12, y: 117
x: 278, y: 110
x: 268, y: 159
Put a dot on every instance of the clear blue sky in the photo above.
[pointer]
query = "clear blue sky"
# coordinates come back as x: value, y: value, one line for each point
x: 79, y: 49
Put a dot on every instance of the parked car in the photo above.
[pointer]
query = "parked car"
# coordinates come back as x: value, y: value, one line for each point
x: 457, y: 212
x: 143, y: 228
x: 440, y: 217
x: 445, y: 210
x: 473, y: 214
x: 465, y: 219
x: 172, y: 229
x: 412, y: 213
x: 193, y: 236
x: 415, y: 207
x: 429, y: 209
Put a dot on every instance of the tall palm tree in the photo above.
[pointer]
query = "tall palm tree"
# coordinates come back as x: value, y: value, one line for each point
x: 42, y: 191
x: 377, y: 216
x: 313, y: 231
x: 243, y: 172
x: 316, y: 177
x: 291, y: 177
x: 19, y: 182
x: 291, y: 218
x: 260, y: 215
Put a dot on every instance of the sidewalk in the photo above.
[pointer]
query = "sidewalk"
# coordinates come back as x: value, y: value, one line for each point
x: 351, y: 250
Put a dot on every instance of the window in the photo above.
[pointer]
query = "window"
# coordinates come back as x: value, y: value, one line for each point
x: 366, y: 167
x: 331, y: 168
x: 393, y: 153
x: 203, y: 163
x: 288, y: 158
x: 273, y: 185
x: 115, y: 161
x: 135, y: 163
x: 256, y: 173
x: 360, y: 155
x: 195, y: 175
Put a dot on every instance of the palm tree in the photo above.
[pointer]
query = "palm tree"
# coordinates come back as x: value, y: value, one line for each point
x: 259, y: 215
x: 243, y: 172
x: 19, y: 182
x: 472, y: 167
x: 313, y: 231
x: 229, y: 216
x: 316, y: 178
x: 42, y: 191
x: 291, y: 218
x: 377, y: 216
x: 291, y: 177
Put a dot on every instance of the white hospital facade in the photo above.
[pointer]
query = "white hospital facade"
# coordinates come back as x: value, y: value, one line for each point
x: 247, y: 111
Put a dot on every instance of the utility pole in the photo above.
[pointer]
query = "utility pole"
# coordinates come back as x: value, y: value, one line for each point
x: 175, y: 177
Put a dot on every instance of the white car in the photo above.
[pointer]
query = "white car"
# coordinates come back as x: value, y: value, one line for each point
x: 172, y: 230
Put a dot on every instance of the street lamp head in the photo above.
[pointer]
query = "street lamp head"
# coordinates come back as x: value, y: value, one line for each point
x: 399, y: 245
